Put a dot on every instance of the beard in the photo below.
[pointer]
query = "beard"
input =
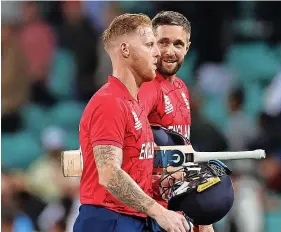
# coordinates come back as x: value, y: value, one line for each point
x: 166, y: 71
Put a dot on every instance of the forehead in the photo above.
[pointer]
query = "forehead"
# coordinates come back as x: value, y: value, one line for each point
x: 144, y: 33
x: 172, y: 33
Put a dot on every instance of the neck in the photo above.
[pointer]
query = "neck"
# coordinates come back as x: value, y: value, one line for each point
x: 127, y: 77
x: 169, y: 78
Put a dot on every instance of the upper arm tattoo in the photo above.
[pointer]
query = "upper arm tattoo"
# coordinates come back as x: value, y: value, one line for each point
x: 108, y: 155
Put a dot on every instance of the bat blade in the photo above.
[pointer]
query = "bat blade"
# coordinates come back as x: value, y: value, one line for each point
x: 71, y: 163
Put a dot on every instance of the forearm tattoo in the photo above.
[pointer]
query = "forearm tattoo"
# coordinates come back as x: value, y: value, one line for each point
x: 121, y: 185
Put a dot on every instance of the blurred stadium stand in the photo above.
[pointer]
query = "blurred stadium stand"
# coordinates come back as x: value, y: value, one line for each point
x: 53, y: 61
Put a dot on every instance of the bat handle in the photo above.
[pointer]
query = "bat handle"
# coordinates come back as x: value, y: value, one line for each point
x: 206, y: 156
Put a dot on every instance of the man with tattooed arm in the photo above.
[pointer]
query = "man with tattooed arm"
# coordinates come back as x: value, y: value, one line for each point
x: 116, y: 139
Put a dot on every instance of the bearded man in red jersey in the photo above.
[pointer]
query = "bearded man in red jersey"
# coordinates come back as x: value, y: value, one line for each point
x: 166, y: 98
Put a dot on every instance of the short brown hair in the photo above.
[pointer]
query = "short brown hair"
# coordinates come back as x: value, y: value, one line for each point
x: 171, y: 18
x: 125, y: 24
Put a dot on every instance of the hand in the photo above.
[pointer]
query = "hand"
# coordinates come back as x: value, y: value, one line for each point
x: 171, y: 221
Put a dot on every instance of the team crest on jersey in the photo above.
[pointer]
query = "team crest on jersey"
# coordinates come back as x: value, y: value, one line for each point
x: 185, y: 100
x: 168, y: 105
x: 138, y: 124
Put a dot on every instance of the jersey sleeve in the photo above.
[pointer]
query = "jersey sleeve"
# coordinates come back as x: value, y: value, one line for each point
x: 185, y: 87
x: 149, y: 95
x: 108, y: 122
x: 188, y: 98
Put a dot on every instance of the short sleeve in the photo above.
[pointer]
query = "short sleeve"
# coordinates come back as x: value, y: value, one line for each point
x: 184, y: 86
x: 108, y: 122
x: 149, y: 95
x: 188, y: 99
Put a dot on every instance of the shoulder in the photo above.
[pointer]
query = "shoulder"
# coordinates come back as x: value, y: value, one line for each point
x: 181, y: 84
x: 107, y: 95
x: 149, y: 90
x: 150, y: 85
x: 105, y: 104
x: 106, y: 101
x: 180, y: 81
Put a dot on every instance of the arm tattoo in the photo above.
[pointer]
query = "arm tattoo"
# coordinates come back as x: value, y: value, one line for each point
x: 127, y: 191
x: 107, y: 155
x: 120, y: 184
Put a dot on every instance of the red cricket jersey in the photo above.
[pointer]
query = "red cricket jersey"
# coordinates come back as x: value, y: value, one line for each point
x: 167, y: 104
x: 114, y: 117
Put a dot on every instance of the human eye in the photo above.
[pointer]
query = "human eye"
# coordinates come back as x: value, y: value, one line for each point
x: 150, y: 45
x: 163, y: 43
x: 179, y: 44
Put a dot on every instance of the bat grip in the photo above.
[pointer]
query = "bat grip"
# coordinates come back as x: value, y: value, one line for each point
x: 206, y: 156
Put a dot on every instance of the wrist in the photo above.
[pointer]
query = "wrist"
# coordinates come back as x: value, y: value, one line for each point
x: 155, y: 210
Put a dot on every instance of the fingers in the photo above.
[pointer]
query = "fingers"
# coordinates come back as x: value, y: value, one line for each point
x: 174, y: 230
x: 185, y: 224
x: 174, y: 222
x: 180, y: 226
x: 179, y: 229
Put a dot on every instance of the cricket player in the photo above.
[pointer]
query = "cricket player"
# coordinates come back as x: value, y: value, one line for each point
x: 116, y: 139
x: 166, y: 99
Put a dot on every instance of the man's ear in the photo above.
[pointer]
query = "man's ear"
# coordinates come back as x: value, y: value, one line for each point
x: 187, y: 47
x: 125, y: 51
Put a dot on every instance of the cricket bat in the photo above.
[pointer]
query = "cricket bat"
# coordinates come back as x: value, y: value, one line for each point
x: 72, y: 163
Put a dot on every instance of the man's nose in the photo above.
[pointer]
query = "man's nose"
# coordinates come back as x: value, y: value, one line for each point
x: 157, y: 52
x: 170, y: 50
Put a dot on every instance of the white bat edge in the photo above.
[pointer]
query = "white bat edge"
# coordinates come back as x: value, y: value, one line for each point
x: 206, y: 156
x: 71, y: 152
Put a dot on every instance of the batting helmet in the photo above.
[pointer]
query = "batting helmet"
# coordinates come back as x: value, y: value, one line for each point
x: 204, y: 193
